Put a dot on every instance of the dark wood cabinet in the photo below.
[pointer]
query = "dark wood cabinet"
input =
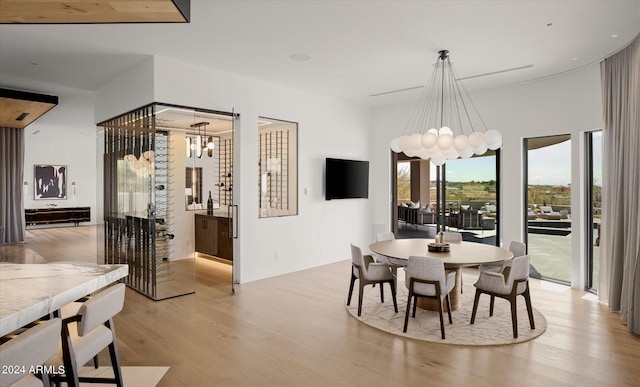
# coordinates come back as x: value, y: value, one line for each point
x: 34, y: 216
x: 212, y: 236
x: 225, y: 243
x: 206, y: 235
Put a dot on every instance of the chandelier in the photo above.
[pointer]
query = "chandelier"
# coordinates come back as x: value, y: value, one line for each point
x: 445, y: 104
x: 200, y: 143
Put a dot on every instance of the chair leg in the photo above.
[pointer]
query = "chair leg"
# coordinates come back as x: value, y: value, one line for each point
x: 360, y: 294
x: 415, y: 305
x: 115, y: 358
x: 381, y: 292
x: 353, y: 280
x: 394, y: 271
x: 491, y: 303
x: 393, y: 295
x: 514, y: 317
x: 527, y: 300
x: 441, y: 317
x: 475, y: 306
x: 46, y: 382
x: 95, y: 362
x: 406, y: 314
x: 70, y: 367
x: 449, y: 308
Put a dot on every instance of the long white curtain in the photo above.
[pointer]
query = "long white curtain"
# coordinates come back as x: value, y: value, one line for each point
x: 11, y: 174
x: 620, y: 241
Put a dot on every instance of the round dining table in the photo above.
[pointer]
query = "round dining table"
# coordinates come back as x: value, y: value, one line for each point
x: 460, y: 254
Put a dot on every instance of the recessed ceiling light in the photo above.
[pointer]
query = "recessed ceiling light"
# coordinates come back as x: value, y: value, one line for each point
x: 615, y: 35
x: 574, y: 58
x: 300, y: 57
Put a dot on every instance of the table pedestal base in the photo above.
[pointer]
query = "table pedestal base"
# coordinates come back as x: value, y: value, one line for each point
x: 454, y: 296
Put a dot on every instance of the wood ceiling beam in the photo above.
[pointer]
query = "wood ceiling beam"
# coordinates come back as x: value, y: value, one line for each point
x: 20, y: 108
x: 94, y: 11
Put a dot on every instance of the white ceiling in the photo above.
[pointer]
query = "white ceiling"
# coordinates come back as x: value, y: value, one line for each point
x: 357, y: 48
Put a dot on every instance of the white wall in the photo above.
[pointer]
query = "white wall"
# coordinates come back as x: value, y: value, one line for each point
x: 66, y: 135
x: 125, y: 93
x: 569, y: 104
x: 322, y: 230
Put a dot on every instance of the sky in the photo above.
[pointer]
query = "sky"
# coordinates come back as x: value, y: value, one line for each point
x: 547, y: 166
x: 476, y: 169
x: 550, y: 165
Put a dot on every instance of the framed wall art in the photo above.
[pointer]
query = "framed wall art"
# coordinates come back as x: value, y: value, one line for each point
x: 50, y: 182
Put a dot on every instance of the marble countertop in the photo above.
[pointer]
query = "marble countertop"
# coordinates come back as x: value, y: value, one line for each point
x: 30, y: 291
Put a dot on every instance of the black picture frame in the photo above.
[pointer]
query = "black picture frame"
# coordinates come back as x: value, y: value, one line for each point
x: 49, y: 182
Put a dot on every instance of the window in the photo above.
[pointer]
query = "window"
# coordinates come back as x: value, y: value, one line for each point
x: 404, y: 181
x: 471, y: 204
x: 594, y: 206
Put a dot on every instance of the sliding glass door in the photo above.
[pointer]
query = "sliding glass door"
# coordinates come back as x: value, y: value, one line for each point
x: 471, y: 197
x: 548, y: 203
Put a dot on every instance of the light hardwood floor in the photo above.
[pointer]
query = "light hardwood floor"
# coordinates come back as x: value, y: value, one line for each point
x: 293, y: 330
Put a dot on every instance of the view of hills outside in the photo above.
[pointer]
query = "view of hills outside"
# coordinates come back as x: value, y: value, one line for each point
x: 465, y: 180
x: 474, y: 179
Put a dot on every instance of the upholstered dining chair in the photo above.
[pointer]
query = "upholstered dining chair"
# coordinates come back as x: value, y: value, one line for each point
x: 87, y: 333
x: 425, y: 277
x: 393, y: 263
x: 512, y: 282
x: 28, y: 350
x: 380, y: 237
x: 517, y: 248
x: 452, y: 237
x: 368, y: 272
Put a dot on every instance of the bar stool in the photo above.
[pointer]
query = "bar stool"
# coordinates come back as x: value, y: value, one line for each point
x: 87, y: 333
x: 22, y: 356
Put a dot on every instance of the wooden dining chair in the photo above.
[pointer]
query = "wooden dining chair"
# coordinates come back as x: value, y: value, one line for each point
x: 512, y: 282
x: 452, y: 237
x: 381, y: 237
x: 425, y: 277
x: 367, y: 272
x: 393, y: 263
x: 517, y: 248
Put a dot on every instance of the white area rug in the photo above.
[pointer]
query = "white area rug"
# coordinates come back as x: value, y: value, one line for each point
x: 132, y: 376
x: 425, y: 326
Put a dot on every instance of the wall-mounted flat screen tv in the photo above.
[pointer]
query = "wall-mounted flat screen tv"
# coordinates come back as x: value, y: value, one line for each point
x: 346, y: 179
